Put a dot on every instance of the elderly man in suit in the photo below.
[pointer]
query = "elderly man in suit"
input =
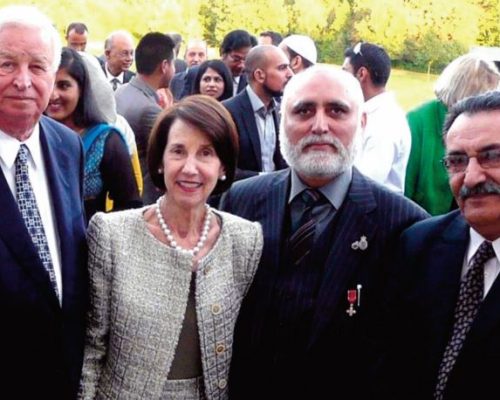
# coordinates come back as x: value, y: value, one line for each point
x: 446, y: 304
x: 254, y: 111
x: 118, y: 58
x: 305, y: 327
x: 42, y: 230
x: 138, y: 101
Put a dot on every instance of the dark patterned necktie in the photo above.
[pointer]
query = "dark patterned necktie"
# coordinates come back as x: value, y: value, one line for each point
x: 469, y: 300
x: 302, y: 238
x: 115, y: 83
x: 29, y: 210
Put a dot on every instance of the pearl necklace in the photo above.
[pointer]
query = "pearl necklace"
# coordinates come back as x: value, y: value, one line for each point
x: 170, y: 236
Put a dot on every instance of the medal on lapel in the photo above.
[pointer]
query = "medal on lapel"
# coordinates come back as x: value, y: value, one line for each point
x: 352, y: 296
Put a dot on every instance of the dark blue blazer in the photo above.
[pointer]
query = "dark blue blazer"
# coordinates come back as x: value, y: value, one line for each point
x: 41, y: 343
x: 424, y: 291
x: 341, y: 349
x: 250, y: 156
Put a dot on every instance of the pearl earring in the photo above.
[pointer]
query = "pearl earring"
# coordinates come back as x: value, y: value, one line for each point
x: 160, y: 170
x: 223, y: 177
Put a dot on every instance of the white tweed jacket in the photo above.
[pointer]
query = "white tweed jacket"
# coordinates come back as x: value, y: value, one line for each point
x: 139, y: 290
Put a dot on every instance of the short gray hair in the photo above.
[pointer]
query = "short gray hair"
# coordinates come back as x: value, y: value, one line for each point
x: 31, y: 17
x: 108, y: 43
x: 467, y: 75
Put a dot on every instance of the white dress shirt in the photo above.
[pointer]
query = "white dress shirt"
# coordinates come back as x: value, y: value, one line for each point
x: 267, y: 131
x: 110, y: 77
x: 386, y: 142
x: 9, y: 147
x: 491, y: 267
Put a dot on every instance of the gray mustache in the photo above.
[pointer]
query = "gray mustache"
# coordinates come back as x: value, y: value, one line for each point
x: 487, y: 187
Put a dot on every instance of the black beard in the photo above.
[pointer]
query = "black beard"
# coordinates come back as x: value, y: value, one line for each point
x: 270, y: 92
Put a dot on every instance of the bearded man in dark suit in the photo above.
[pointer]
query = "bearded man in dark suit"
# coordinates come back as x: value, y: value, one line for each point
x: 306, y: 327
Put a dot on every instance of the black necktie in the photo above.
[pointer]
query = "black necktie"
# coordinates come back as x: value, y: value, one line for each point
x: 29, y: 210
x: 302, y: 237
x: 468, y: 303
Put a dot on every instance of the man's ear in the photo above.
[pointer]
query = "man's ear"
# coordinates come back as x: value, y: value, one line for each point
x: 259, y: 75
x: 296, y: 63
x: 363, y: 74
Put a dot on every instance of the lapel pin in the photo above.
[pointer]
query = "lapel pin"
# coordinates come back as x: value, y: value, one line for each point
x: 352, y: 295
x: 358, y: 288
x: 361, y: 244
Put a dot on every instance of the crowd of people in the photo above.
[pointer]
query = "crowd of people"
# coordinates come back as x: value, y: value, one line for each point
x: 258, y: 226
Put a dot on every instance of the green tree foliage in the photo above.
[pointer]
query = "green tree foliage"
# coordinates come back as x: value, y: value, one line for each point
x: 420, y: 34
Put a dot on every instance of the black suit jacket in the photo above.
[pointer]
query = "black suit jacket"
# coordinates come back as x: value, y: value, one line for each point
x: 41, y: 343
x: 341, y: 349
x: 250, y: 156
x: 424, y: 292
x: 177, y: 85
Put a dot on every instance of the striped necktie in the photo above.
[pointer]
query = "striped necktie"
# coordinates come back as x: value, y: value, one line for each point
x: 469, y: 300
x: 29, y: 210
x: 302, y: 237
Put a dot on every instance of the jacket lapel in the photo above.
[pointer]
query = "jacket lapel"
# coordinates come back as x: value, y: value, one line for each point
x: 248, y: 117
x: 351, y: 222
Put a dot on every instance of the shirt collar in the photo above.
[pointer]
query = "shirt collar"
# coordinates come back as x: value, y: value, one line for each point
x: 9, y: 147
x: 334, y: 191
x: 377, y: 101
x: 110, y: 76
x: 475, y: 241
x: 257, y: 104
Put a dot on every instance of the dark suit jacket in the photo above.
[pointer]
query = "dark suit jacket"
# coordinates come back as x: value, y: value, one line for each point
x: 127, y: 75
x: 41, y: 344
x: 177, y: 85
x: 341, y: 349
x: 424, y: 295
x: 250, y: 157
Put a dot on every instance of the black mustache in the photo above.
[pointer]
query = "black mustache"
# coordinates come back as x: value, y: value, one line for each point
x: 487, y: 187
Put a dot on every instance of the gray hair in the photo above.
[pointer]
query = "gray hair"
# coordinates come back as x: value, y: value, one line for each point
x: 31, y: 17
x: 467, y: 75
x: 108, y: 43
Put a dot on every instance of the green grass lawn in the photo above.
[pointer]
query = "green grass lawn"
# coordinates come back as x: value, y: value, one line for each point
x: 411, y: 88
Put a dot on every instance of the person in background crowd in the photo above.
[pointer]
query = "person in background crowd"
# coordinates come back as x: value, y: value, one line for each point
x: 426, y: 178
x: 301, y: 51
x: 255, y: 113
x: 119, y: 56
x: 444, y: 303
x: 77, y: 36
x: 43, y: 279
x: 196, y: 53
x: 214, y: 80
x: 270, y: 37
x: 307, y: 325
x: 386, y: 139
x: 138, y: 101
x: 180, y: 64
x: 167, y: 280
x: 108, y: 168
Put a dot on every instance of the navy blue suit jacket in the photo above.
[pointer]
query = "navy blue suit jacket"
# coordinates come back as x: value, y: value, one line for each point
x: 424, y: 291
x: 341, y: 349
x: 250, y: 156
x: 41, y: 343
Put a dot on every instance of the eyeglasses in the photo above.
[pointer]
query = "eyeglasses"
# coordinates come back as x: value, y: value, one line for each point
x: 236, y: 58
x: 457, y: 163
x: 357, y: 49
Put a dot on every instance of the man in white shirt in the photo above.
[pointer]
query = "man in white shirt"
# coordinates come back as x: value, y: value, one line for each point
x: 43, y: 280
x: 385, y: 144
x: 446, y: 292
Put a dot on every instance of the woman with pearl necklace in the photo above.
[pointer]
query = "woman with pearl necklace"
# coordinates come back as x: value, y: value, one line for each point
x: 167, y: 280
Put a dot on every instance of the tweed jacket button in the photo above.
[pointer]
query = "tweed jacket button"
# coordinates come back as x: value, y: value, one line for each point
x: 220, y: 348
x: 206, y: 270
x: 216, y: 309
x: 222, y: 383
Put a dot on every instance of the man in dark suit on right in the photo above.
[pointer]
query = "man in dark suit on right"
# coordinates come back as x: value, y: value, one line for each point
x: 306, y: 327
x: 446, y: 294
x: 255, y: 111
